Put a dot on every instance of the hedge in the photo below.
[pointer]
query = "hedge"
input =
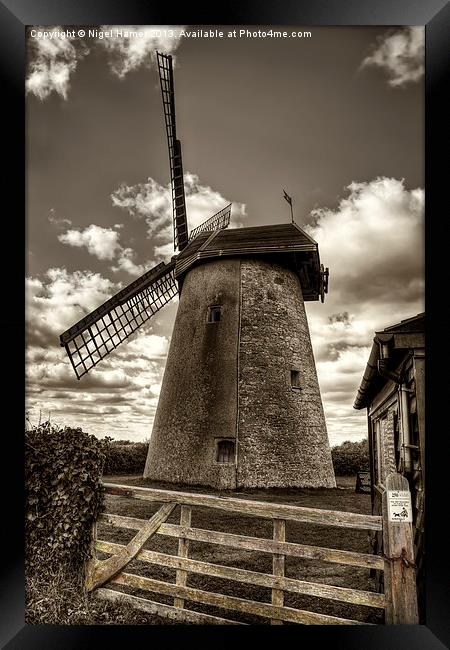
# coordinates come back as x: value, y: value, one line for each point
x: 64, y: 495
x: 125, y: 457
x: 350, y: 457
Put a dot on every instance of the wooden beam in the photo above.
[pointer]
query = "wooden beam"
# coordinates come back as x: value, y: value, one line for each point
x: 419, y: 375
x: 265, y: 610
x: 342, y: 594
x: 409, y: 340
x: 167, y: 611
x: 400, y: 577
x: 278, y: 562
x: 183, y: 548
x: 102, y: 570
x: 351, y: 558
x: 92, y: 560
x: 255, y: 508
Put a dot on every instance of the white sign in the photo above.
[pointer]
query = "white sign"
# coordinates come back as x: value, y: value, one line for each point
x: 399, y: 506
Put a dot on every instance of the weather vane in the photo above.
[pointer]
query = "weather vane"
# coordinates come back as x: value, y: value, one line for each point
x: 289, y: 200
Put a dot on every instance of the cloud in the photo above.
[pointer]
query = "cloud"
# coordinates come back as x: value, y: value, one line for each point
x: 61, y: 299
x: 119, y: 396
x: 163, y: 252
x: 374, y: 241
x: 116, y: 398
x: 155, y: 389
x: 150, y: 201
x: 342, y: 317
x: 130, y: 52
x: 101, y: 242
x: 58, y: 221
x: 401, y: 54
x: 104, y: 244
x: 51, y: 62
x: 125, y: 262
x: 339, y: 379
x: 373, y: 244
x: 153, y: 202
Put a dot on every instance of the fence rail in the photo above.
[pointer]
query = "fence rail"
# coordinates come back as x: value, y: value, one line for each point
x: 256, y: 508
x: 112, y: 571
x: 364, y: 560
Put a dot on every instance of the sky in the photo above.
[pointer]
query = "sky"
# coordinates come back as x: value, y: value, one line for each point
x: 335, y: 117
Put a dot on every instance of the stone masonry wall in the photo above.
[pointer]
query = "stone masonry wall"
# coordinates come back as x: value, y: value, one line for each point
x: 197, y: 404
x: 282, y: 437
x: 232, y: 379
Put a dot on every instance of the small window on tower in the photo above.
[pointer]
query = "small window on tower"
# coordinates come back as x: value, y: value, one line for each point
x: 214, y: 314
x: 295, y: 379
x: 225, y: 451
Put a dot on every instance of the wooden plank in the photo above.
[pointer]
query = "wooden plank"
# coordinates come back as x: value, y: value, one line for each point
x: 383, y: 400
x: 275, y: 233
x: 278, y: 562
x: 400, y: 576
x: 168, y: 611
x: 254, y: 508
x: 231, y: 602
x: 183, y: 548
x: 342, y: 594
x: 269, y: 546
x: 419, y: 372
x: 102, y: 570
x: 119, y: 521
x: 351, y: 558
x: 92, y: 560
x: 409, y: 339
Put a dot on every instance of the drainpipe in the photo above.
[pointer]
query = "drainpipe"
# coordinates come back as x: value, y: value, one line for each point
x: 406, y: 431
x: 238, y: 352
x: 383, y: 362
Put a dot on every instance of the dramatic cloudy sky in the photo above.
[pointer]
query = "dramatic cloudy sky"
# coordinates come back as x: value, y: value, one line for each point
x: 336, y: 119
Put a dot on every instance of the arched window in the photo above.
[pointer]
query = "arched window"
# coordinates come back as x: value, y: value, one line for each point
x: 214, y: 314
x: 225, y: 451
x: 295, y: 379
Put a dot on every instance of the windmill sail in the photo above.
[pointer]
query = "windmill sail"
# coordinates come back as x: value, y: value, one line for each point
x: 180, y: 229
x: 218, y: 221
x: 101, y: 331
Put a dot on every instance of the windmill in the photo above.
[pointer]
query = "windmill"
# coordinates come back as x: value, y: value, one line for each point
x: 240, y: 404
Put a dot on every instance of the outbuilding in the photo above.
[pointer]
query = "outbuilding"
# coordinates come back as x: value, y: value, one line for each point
x: 393, y: 391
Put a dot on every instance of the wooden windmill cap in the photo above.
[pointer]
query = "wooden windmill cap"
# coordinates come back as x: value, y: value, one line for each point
x: 287, y: 244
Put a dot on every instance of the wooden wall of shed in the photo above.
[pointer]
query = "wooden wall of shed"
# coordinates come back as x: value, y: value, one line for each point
x: 385, y: 406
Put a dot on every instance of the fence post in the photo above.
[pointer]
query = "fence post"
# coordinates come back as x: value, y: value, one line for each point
x: 400, y: 575
x: 279, y: 535
x: 183, y: 548
x: 92, y: 560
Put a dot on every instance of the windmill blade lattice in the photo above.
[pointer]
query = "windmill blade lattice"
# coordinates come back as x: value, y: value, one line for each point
x: 101, y: 331
x: 218, y: 221
x: 180, y: 228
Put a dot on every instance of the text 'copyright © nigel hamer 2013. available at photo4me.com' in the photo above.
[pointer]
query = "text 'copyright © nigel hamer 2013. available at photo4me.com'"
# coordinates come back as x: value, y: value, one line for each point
x: 120, y: 32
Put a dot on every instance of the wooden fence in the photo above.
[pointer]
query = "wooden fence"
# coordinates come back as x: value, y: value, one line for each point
x: 111, y: 570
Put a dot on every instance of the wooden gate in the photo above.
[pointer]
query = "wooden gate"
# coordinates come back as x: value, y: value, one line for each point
x: 398, y: 601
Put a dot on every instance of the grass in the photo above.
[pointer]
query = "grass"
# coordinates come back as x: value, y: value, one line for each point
x: 57, y: 598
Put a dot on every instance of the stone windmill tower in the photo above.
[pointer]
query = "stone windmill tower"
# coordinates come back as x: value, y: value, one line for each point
x: 240, y: 403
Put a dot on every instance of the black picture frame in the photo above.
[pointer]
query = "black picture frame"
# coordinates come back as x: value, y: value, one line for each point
x: 435, y: 15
